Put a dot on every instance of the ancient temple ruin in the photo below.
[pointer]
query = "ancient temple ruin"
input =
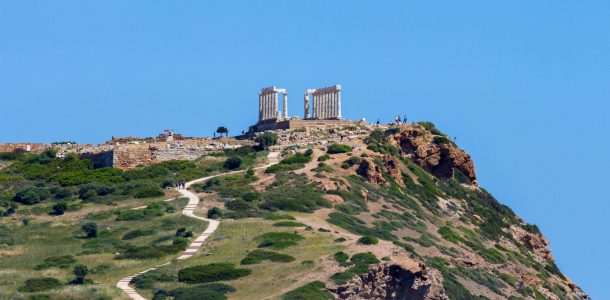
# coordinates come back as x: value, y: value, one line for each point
x: 322, y: 106
x: 268, y: 104
x: 326, y: 103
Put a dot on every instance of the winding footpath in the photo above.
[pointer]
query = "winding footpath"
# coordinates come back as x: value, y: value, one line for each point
x: 123, y: 284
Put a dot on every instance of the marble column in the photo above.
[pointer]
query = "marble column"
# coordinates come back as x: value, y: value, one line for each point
x: 306, y: 106
x: 339, y: 104
x: 285, y: 105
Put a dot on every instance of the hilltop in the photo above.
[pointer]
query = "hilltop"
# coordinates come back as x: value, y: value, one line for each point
x: 348, y: 211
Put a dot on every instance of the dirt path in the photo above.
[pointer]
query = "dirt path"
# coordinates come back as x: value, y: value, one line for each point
x: 123, y: 284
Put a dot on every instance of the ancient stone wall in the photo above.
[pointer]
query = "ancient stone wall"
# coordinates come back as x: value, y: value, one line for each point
x: 30, y: 147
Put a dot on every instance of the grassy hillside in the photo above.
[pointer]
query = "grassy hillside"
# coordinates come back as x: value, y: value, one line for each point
x: 319, y: 223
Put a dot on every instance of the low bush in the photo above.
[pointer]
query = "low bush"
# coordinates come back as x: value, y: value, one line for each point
x: 341, y: 257
x: 296, y: 159
x: 368, y: 240
x: 315, y: 290
x: 147, y: 280
x: 59, y: 208
x: 441, y: 140
x: 63, y: 262
x: 279, y: 217
x: 350, y: 162
x: 214, y: 213
x: 40, y: 284
x: 279, y: 240
x: 138, y: 233
x: 211, y: 272
x: 258, y: 256
x: 360, y: 262
x: 32, y: 195
x: 90, y: 229
x: 277, y: 168
x: 147, y: 191
x: 289, y: 224
x: 154, y: 251
x: 324, y: 157
x: 338, y: 148
x: 208, y: 291
x: 232, y: 163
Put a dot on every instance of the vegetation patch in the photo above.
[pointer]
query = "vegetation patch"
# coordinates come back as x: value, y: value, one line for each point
x: 368, y: 240
x: 360, y: 264
x: 211, y: 272
x: 257, y: 256
x: 279, y: 240
x: 338, y: 148
x: 148, y: 279
x: 208, y: 291
x: 40, y: 284
x: 294, y: 193
x: 138, y: 233
x: 315, y: 290
x: 62, y: 262
x: 289, y: 224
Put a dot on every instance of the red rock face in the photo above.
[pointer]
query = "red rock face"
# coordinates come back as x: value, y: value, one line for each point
x: 440, y: 159
x: 371, y: 172
x: 394, y: 281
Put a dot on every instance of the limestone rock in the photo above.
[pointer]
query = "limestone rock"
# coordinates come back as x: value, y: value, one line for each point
x: 433, y: 153
x: 371, y: 171
x: 394, y: 281
x: 391, y: 166
x: 537, y: 243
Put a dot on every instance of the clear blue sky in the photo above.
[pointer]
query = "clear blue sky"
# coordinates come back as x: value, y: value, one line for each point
x: 523, y: 85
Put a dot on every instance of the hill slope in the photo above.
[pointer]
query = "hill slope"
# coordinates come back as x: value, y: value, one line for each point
x: 349, y: 213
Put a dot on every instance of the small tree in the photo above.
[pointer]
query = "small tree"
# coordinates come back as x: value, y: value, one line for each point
x: 60, y: 207
x: 90, y: 228
x: 232, y: 163
x: 222, y: 130
x: 80, y: 271
x: 214, y: 213
x: 266, y: 140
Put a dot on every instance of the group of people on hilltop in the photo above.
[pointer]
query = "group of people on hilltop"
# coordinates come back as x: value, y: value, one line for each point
x: 397, y: 120
x: 181, y: 185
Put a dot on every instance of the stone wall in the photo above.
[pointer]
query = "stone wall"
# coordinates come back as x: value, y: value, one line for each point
x: 31, y: 147
x: 298, y: 124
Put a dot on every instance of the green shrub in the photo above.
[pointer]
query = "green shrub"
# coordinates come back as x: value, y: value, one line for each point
x: 297, y: 159
x: 441, y: 140
x: 338, y: 148
x: 147, y: 191
x: 63, y: 262
x: 80, y: 271
x: 40, y: 284
x: 32, y: 195
x: 148, y: 279
x: 341, y: 257
x: 154, y: 251
x: 368, y: 240
x: 350, y: 162
x: 208, y: 291
x: 232, y: 163
x: 211, y: 272
x: 324, y: 157
x: 315, y: 290
x: 155, y: 209
x: 277, y: 168
x: 279, y: 240
x: 138, y: 233
x: 60, y: 207
x: 266, y: 140
x: 258, y: 256
x: 90, y: 229
x: 360, y: 262
x: 450, y: 235
x: 214, y: 213
x: 289, y: 224
x: 279, y: 217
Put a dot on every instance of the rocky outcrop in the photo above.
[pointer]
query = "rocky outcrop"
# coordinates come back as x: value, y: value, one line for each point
x: 391, y: 166
x: 371, y: 171
x: 394, y: 281
x: 536, y: 243
x: 434, y: 153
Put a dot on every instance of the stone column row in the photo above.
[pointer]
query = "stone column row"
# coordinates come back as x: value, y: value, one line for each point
x: 267, y: 105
